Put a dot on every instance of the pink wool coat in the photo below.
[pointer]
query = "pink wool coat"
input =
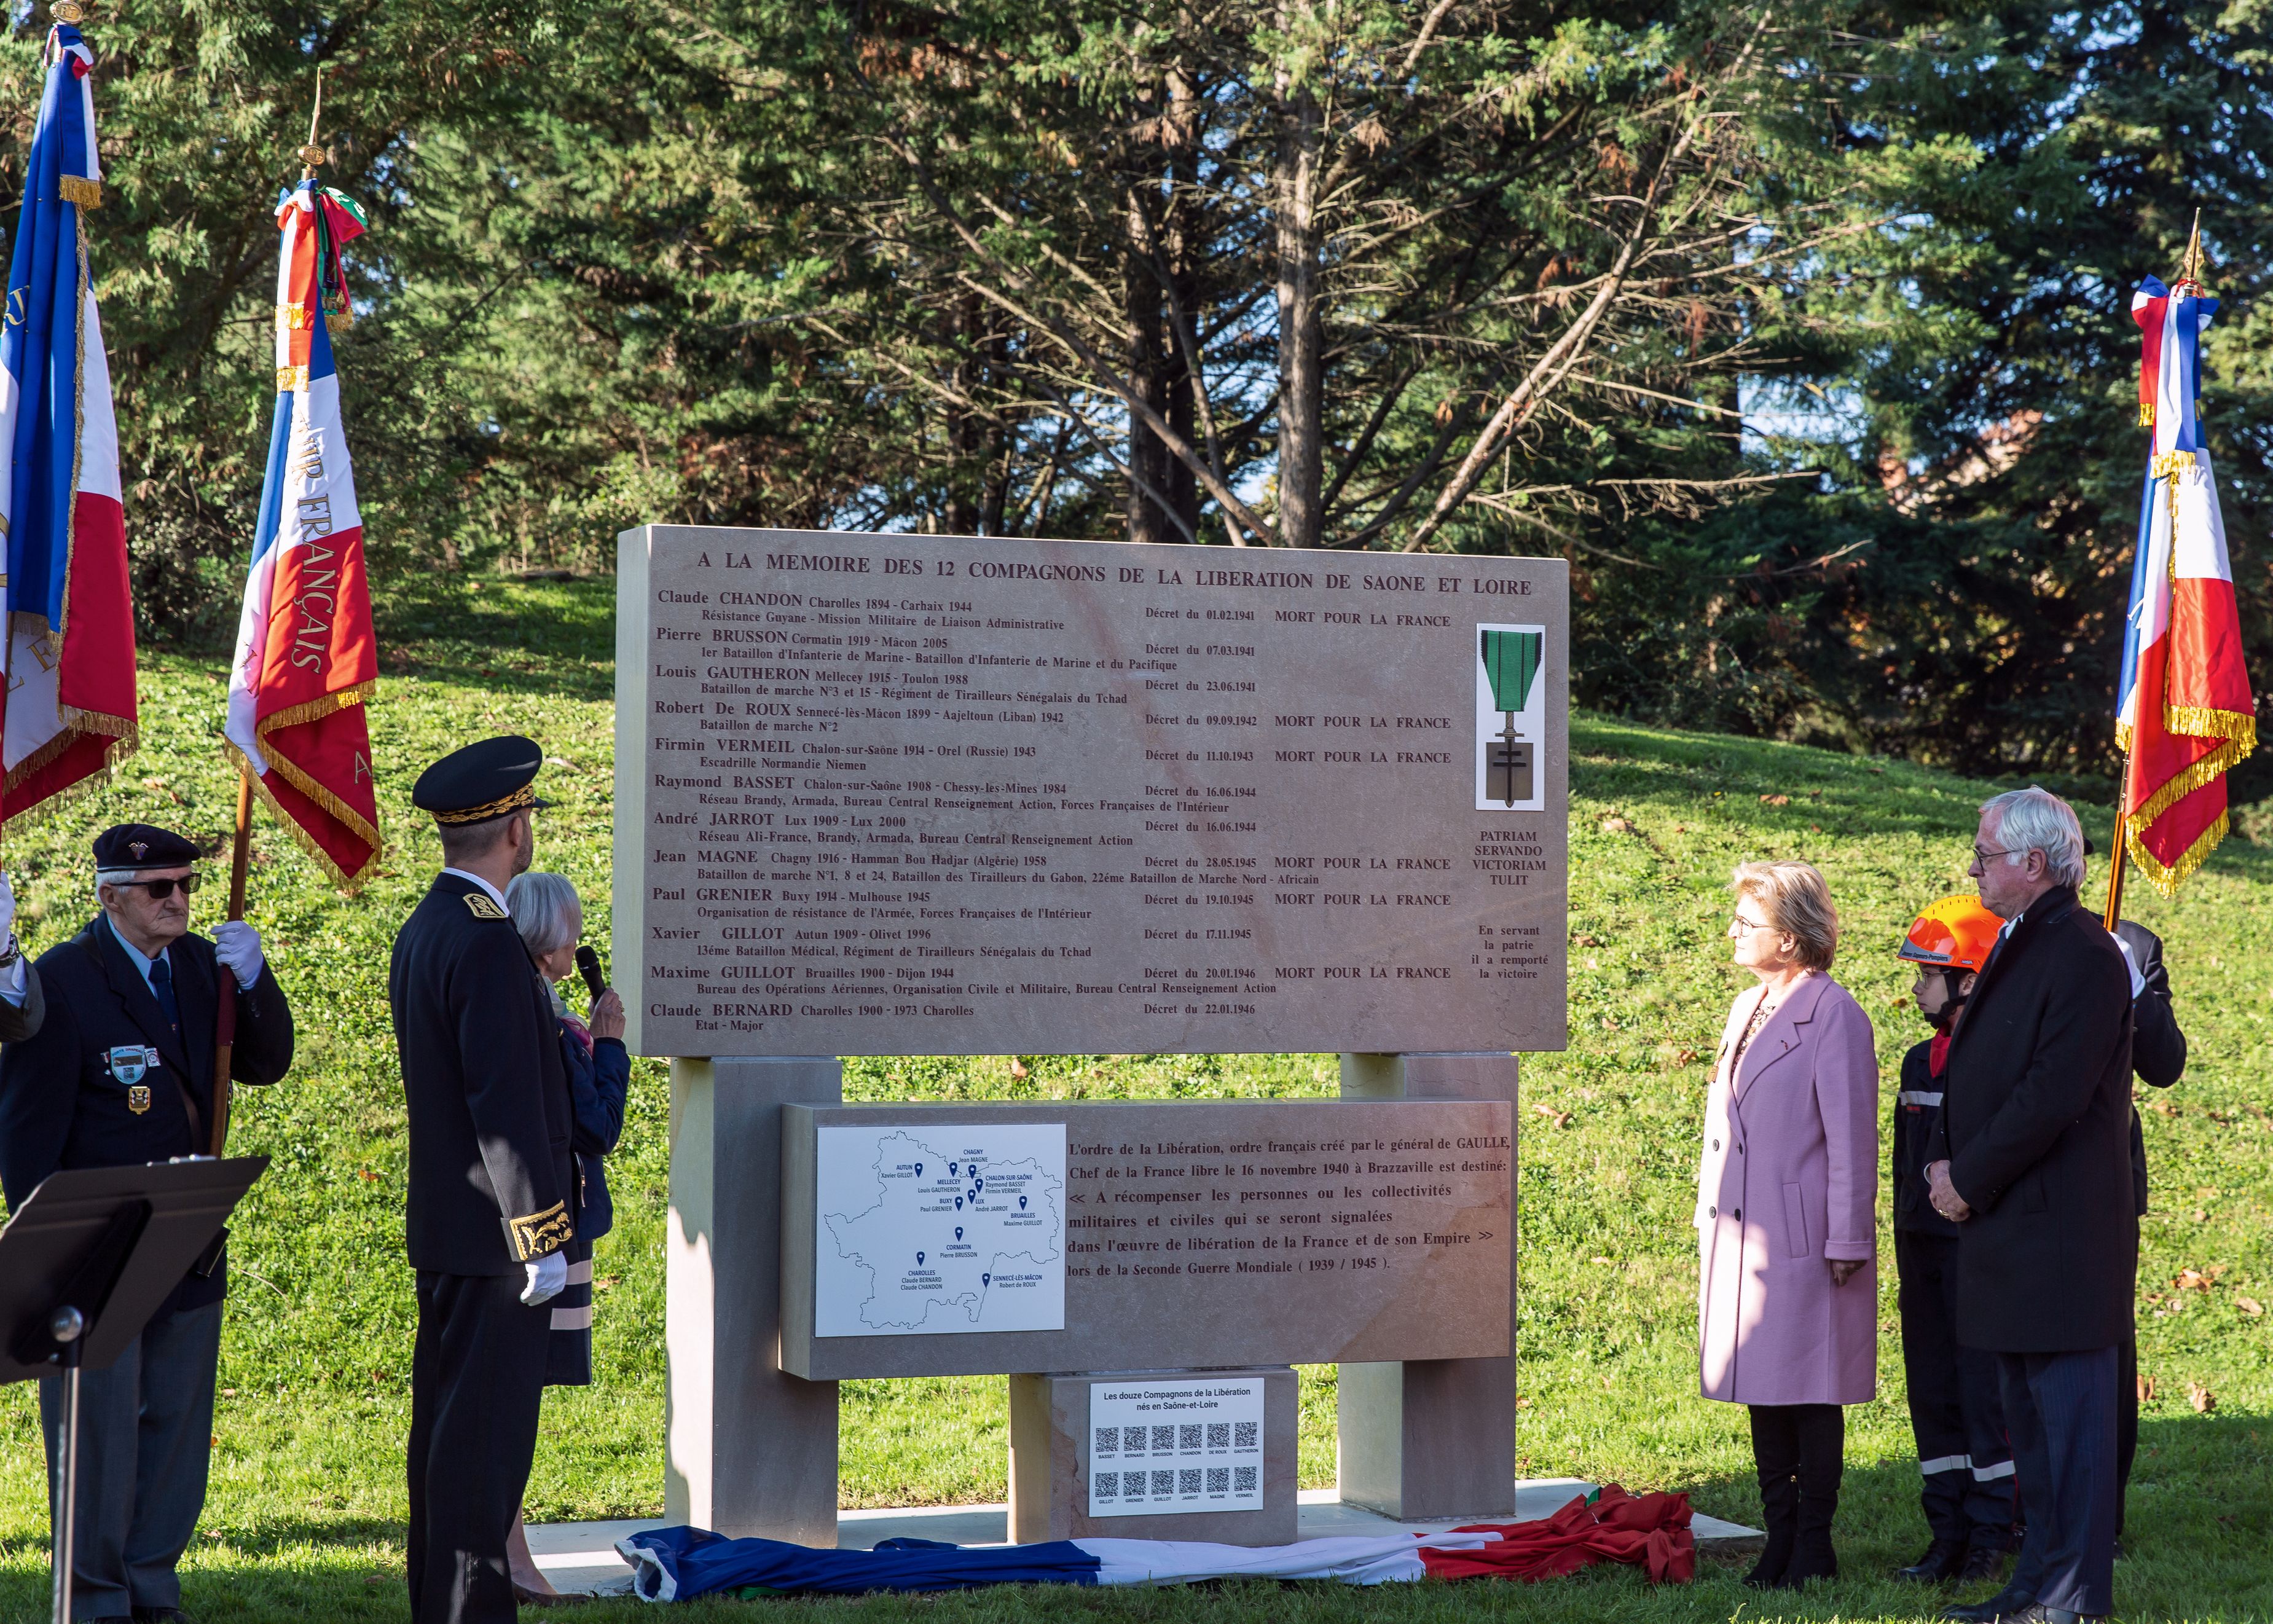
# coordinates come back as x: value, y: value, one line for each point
x: 1789, y: 1179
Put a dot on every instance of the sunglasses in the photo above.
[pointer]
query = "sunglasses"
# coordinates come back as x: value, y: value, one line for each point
x: 160, y: 889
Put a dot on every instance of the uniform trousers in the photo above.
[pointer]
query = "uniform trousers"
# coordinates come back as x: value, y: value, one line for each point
x: 2126, y: 1422
x: 145, y: 1441
x: 477, y: 1381
x: 2060, y: 1408
x: 1957, y: 1414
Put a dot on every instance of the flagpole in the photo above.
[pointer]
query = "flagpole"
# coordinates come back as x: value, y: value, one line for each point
x: 241, y: 854
x: 2189, y: 275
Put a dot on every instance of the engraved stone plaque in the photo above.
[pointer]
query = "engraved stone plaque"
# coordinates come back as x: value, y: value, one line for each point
x: 926, y: 795
x: 1186, y: 1233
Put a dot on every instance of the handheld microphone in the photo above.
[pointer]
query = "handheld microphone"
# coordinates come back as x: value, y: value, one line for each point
x: 587, y: 963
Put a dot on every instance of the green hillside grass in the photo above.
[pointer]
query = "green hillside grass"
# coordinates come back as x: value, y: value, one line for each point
x: 304, y: 1516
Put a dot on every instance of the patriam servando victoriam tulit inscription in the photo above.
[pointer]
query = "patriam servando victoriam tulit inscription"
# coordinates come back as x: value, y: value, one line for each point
x: 931, y: 795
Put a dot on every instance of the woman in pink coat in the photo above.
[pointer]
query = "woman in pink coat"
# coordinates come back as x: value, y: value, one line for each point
x: 1787, y: 1188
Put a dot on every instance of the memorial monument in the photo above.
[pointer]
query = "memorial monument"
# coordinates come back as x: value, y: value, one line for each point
x: 922, y: 795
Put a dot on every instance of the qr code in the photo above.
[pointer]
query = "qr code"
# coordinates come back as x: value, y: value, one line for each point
x: 1219, y: 1434
x: 1246, y: 1439
x: 1191, y: 1438
x: 1163, y: 1482
x: 1108, y: 1439
x: 1132, y: 1440
x: 1218, y: 1479
x: 1244, y: 1480
x: 1188, y: 1480
x: 1108, y: 1485
x: 1164, y: 1440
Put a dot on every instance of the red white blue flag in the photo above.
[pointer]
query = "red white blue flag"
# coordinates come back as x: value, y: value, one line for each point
x: 2184, y: 712
x: 70, y: 706
x: 306, y: 658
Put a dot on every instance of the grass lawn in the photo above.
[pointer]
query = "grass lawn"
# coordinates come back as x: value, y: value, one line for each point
x: 304, y: 1515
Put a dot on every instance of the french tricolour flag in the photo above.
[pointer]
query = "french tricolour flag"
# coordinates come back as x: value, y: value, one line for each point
x: 306, y: 659
x: 71, y: 706
x: 2184, y: 713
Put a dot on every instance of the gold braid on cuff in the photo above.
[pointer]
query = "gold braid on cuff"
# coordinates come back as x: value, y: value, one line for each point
x: 524, y: 797
x: 542, y: 1232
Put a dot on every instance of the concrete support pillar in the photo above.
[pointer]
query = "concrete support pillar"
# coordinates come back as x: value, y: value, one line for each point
x: 751, y: 1451
x: 1427, y: 1440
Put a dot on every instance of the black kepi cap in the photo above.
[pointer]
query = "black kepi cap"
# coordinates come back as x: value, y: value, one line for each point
x: 125, y: 846
x: 481, y: 781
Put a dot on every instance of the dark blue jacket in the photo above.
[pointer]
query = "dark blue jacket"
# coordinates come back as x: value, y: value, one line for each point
x: 597, y: 1085
x: 1917, y: 1117
x: 66, y: 1102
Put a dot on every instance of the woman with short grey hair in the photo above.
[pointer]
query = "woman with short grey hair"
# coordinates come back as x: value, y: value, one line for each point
x: 550, y: 916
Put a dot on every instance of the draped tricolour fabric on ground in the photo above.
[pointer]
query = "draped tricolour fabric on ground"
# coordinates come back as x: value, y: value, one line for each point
x: 1650, y: 1531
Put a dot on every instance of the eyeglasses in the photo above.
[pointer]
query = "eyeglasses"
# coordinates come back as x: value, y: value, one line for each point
x: 1742, y: 924
x: 160, y: 889
x: 1982, y: 858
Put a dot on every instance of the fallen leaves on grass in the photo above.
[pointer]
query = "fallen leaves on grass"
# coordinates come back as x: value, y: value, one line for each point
x: 2249, y: 1305
x: 1617, y: 826
x: 1018, y: 1066
x: 1560, y: 1119
x: 2201, y: 1397
x: 2146, y: 1388
x: 1776, y: 800
x: 1684, y: 1057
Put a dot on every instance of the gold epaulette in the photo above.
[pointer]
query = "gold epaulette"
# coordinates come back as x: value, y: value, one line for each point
x: 479, y: 905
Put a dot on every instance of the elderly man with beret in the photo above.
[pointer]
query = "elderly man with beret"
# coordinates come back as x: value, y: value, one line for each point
x: 120, y: 1073
x: 492, y: 1195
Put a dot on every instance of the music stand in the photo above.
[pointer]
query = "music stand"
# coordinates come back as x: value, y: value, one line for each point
x: 83, y: 1263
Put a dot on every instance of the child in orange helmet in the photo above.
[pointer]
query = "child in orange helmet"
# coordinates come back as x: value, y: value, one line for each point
x: 1956, y: 1413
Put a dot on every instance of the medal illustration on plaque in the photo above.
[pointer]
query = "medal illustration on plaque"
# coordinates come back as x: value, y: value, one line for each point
x: 1510, y: 717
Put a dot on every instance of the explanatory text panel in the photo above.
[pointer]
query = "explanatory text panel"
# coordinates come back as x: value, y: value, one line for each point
x: 908, y: 794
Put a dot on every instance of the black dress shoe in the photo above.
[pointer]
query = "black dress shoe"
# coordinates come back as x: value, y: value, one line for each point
x: 2006, y: 1606
x: 2055, y: 1615
x: 1983, y: 1562
x: 1943, y: 1560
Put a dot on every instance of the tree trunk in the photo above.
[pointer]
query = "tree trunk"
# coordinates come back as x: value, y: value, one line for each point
x: 1143, y: 313
x: 1302, y: 373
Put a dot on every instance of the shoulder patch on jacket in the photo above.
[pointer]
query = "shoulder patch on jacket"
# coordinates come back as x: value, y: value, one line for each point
x: 478, y: 904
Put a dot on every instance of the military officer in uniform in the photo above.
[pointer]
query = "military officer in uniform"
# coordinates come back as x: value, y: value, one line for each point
x: 120, y: 1073
x: 489, y: 1205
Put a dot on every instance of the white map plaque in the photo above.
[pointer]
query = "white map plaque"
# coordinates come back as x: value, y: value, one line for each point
x: 928, y: 1233
x: 1162, y: 1447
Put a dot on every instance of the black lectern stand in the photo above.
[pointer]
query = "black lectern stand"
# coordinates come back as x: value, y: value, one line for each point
x: 84, y: 1264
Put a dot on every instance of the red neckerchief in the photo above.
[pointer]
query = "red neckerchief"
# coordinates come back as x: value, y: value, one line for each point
x: 581, y: 1035
x: 1937, y: 1054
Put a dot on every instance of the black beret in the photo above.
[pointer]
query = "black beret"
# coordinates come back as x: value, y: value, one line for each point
x: 481, y: 781
x: 142, y: 845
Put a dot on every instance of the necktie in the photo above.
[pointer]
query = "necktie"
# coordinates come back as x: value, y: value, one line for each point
x: 161, y: 983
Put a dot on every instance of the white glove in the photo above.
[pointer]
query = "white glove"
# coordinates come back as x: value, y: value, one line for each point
x: 2138, y: 982
x: 237, y: 945
x: 7, y: 907
x: 548, y: 1277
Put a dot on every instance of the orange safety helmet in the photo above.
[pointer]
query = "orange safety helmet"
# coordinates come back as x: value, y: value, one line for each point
x: 1954, y: 934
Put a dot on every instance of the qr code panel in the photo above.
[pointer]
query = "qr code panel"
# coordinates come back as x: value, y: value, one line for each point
x: 1218, y: 1479
x: 1243, y: 1479
x: 1188, y: 1480
x: 1132, y: 1440
x: 1219, y: 1434
x: 1164, y: 1483
x: 1188, y: 1437
x: 1245, y: 1434
x: 1108, y: 1485
x: 1108, y: 1439
x: 1164, y: 1439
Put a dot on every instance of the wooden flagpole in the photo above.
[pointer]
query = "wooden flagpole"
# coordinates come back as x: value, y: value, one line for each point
x: 241, y: 855
x: 2189, y: 275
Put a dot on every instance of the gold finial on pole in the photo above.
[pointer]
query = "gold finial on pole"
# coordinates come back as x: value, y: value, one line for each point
x: 2191, y: 267
x: 312, y: 154
x: 66, y: 10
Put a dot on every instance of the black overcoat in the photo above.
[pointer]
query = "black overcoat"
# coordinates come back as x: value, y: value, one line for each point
x: 2036, y: 1118
x: 65, y: 1103
x: 490, y: 1119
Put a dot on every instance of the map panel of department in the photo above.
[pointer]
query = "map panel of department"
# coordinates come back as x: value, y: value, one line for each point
x: 920, y: 1232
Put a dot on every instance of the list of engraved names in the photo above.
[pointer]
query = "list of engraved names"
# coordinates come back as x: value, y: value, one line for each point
x: 926, y: 795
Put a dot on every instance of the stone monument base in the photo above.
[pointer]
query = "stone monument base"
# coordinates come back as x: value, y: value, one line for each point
x: 1052, y: 1462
